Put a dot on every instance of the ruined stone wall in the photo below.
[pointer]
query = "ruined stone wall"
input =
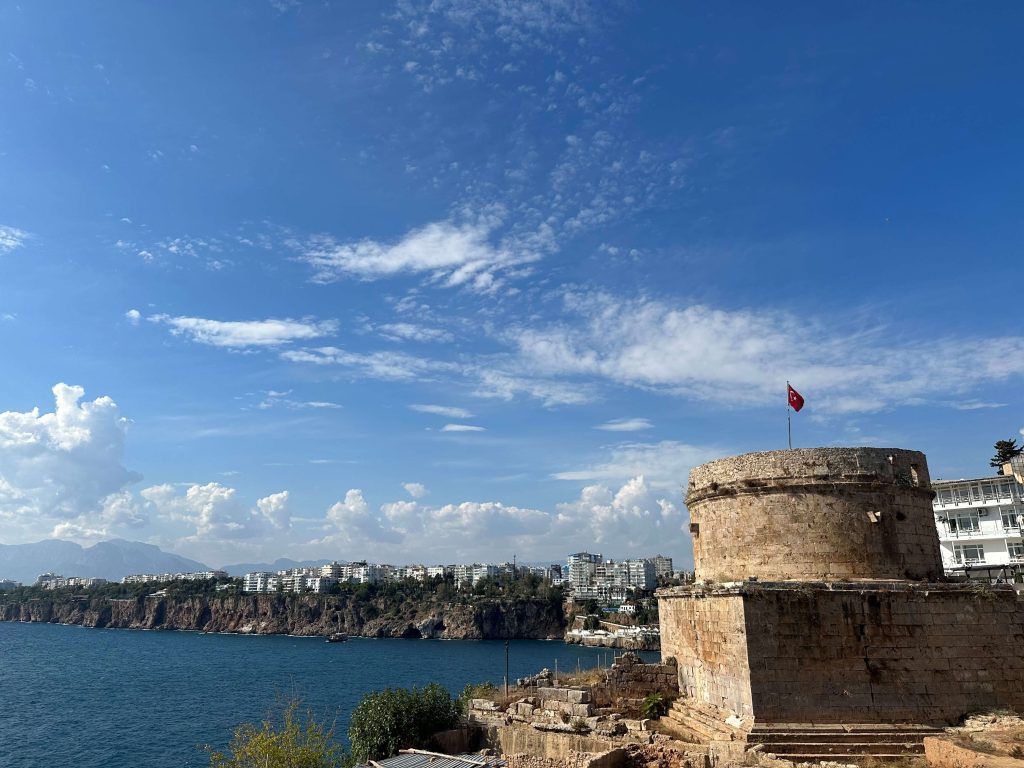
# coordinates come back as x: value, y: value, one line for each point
x: 630, y: 678
x: 707, y: 639
x: 884, y: 655
x: 822, y: 513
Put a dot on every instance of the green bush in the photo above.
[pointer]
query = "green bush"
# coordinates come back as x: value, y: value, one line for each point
x: 396, y: 718
x: 295, y: 744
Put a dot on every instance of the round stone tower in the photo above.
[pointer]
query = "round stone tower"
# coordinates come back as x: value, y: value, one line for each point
x: 814, y: 514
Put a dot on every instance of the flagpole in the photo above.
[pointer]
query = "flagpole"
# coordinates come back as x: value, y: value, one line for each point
x: 789, y: 418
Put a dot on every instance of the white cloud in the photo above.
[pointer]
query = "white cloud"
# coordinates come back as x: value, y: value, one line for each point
x: 665, y: 465
x: 64, y: 467
x: 461, y: 428
x: 11, y: 238
x: 133, y: 316
x: 416, y: 490
x: 625, y: 425
x: 396, y: 366
x: 744, y: 357
x: 275, y: 508
x: 353, y: 521
x: 274, y: 399
x: 634, y: 519
x: 243, y: 334
x: 450, y: 412
x: 631, y: 519
x: 449, y: 254
x: 413, y: 332
x: 213, y: 510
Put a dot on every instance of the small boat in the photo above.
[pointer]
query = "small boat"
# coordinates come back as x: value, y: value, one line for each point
x: 336, y: 637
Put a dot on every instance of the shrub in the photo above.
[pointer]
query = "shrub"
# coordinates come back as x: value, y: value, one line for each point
x: 396, y: 718
x: 295, y: 744
x: 653, y: 705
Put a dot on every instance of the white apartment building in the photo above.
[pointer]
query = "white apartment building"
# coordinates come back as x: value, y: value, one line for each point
x: 980, y: 521
x: 56, y: 581
x: 141, y: 578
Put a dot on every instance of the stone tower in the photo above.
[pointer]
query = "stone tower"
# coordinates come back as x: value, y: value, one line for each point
x: 819, y: 600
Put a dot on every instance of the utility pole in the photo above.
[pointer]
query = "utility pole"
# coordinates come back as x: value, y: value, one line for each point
x: 506, y: 669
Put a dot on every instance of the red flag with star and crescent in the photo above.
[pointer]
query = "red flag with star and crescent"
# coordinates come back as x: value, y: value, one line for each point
x: 796, y: 400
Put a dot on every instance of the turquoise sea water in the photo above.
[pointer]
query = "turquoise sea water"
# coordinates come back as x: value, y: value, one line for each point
x: 93, y: 698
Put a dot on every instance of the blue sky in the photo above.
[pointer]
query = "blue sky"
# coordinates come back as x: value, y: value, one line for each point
x: 454, y: 281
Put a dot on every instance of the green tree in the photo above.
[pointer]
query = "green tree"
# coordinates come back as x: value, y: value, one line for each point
x: 296, y: 743
x: 396, y: 718
x: 1005, y: 450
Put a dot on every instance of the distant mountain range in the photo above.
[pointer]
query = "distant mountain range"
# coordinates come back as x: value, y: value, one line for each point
x: 110, y: 560
x: 281, y: 564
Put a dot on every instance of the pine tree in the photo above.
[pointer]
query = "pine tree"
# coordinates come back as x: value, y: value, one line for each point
x: 1005, y: 450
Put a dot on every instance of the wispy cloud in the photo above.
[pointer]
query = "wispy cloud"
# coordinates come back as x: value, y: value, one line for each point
x: 448, y: 411
x: 396, y: 366
x: 11, y: 238
x: 412, y: 332
x: 446, y: 253
x: 461, y: 428
x: 241, y: 334
x: 744, y: 357
x: 625, y: 425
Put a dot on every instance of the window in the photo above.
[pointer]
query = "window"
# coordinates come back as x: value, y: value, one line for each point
x: 1011, y: 518
x: 963, y: 494
x: 964, y: 522
x: 989, y: 491
x: 968, y: 554
x: 1016, y: 551
x: 945, y: 496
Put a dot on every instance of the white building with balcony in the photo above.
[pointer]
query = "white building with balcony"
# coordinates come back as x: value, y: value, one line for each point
x: 980, y: 521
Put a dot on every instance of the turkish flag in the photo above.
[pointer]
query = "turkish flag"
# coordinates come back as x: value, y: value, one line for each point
x: 796, y: 402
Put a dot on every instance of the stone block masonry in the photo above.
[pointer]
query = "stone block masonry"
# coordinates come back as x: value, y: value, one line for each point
x: 821, y: 513
x: 820, y: 602
x: 853, y: 653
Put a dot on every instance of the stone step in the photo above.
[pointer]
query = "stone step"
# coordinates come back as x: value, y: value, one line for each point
x: 815, y: 757
x: 850, y: 748
x: 900, y: 728
x: 833, y: 738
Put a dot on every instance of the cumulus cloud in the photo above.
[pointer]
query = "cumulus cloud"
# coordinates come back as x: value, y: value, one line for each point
x: 745, y: 356
x: 625, y: 425
x: 353, y: 521
x: 64, y: 466
x: 634, y: 518
x: 416, y: 490
x: 212, y: 509
x: 461, y: 428
x: 447, y: 253
x: 11, y: 238
x: 133, y: 316
x: 275, y: 509
x: 246, y: 333
x: 448, y: 411
x: 631, y: 519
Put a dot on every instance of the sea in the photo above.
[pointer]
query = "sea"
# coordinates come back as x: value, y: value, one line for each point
x: 113, y: 698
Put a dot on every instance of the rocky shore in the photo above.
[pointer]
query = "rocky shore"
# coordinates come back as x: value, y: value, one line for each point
x: 309, y: 615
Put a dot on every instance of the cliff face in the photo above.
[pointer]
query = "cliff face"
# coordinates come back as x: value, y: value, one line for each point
x: 479, y: 619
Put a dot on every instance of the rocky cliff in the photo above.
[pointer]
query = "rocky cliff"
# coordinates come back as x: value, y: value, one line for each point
x: 473, y: 619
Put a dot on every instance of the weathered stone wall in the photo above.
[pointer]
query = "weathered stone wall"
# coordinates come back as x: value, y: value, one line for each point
x: 630, y: 678
x: 821, y: 513
x: 853, y: 653
x: 705, y: 636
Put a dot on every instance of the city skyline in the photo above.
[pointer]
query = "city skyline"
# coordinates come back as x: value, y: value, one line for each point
x: 433, y: 282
